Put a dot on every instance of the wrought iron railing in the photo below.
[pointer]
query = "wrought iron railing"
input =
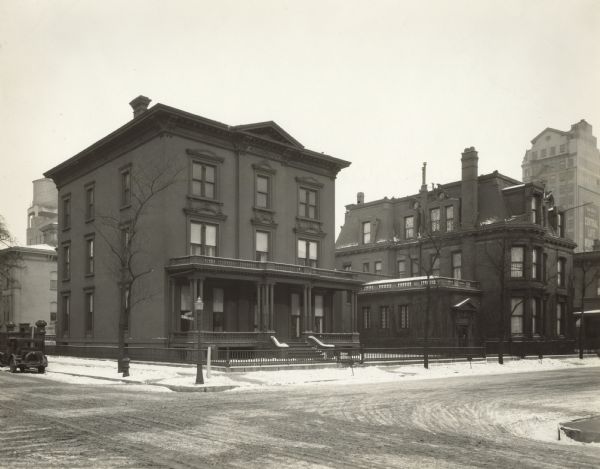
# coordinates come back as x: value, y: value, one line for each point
x: 400, y: 284
x: 218, y: 338
x: 250, y: 265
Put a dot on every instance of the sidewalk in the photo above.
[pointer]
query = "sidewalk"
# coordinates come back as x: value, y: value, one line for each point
x: 182, y: 377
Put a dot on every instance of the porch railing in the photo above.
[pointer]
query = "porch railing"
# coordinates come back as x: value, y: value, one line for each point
x: 338, y: 337
x: 445, y: 282
x: 243, y: 264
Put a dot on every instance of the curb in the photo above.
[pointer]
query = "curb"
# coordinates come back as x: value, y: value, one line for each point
x: 574, y: 431
x: 169, y: 386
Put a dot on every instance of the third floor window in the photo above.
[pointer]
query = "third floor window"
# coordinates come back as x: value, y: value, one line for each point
x: 203, y: 180
x: 66, y: 213
x: 450, y: 218
x: 366, y: 232
x: 307, y: 206
x: 262, y: 192
x: 89, y: 203
x: 125, y: 187
x: 434, y: 216
x: 409, y: 227
x: 560, y: 272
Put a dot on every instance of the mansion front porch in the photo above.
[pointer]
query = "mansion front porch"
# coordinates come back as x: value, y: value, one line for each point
x: 253, y: 304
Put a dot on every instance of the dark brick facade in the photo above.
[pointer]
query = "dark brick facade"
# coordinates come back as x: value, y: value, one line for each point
x: 468, y: 230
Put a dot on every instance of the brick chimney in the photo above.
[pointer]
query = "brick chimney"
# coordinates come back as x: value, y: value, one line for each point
x: 469, y: 188
x: 139, y: 105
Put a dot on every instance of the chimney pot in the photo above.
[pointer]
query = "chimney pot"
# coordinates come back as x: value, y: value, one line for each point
x: 360, y: 198
x: 139, y: 105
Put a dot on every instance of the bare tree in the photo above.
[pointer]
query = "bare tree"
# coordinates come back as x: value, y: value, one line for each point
x: 126, y: 238
x: 432, y: 241
x: 9, y: 259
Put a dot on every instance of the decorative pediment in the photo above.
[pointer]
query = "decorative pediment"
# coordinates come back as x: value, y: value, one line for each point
x: 271, y: 131
x: 309, y: 181
x: 309, y: 227
x: 263, y: 218
x: 205, y: 155
x: 264, y: 167
x: 205, y: 209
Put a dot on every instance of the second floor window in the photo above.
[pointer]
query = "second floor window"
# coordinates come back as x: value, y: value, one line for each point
x: 66, y: 262
x: 560, y: 226
x: 203, y: 180
x: 434, y: 216
x: 409, y: 227
x: 366, y: 267
x: 378, y: 267
x: 307, y: 252
x: 535, y: 264
x: 262, y: 246
x: 366, y: 232
x: 53, y: 282
x: 262, y: 192
x: 402, y: 268
x: 203, y: 239
x: 434, y: 262
x: 450, y: 218
x: 307, y: 203
x: 125, y: 187
x: 457, y: 265
x: 560, y: 272
x: 89, y: 203
x: 89, y: 256
x: 517, y: 255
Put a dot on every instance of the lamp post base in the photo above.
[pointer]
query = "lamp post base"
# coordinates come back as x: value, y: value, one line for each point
x: 199, y: 377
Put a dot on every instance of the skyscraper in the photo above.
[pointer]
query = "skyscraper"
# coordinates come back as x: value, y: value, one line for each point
x: 567, y: 163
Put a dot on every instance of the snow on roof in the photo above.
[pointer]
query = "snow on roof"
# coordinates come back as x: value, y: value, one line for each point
x: 41, y: 246
x: 513, y: 187
x: 586, y: 312
x: 458, y: 305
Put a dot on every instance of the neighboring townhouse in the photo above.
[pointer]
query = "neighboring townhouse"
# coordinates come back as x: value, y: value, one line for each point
x: 486, y: 253
x: 240, y: 217
x: 586, y: 284
x: 29, y: 285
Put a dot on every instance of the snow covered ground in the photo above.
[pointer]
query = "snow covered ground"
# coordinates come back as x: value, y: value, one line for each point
x: 86, y: 371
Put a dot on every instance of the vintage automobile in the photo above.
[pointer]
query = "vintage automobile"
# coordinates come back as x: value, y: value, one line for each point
x: 23, y: 350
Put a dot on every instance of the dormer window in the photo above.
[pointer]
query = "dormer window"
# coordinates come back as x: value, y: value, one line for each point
x: 535, y: 210
x: 366, y: 232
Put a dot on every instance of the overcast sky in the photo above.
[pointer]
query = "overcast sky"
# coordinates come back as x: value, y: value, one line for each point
x: 386, y: 85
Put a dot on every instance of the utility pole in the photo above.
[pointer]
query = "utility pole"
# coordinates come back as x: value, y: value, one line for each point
x: 199, y: 306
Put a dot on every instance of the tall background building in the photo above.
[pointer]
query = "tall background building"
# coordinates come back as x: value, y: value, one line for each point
x: 568, y: 164
x: 42, y: 216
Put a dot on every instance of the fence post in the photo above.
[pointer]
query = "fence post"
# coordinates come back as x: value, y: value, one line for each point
x: 362, y: 354
x: 227, y: 357
x: 208, y: 350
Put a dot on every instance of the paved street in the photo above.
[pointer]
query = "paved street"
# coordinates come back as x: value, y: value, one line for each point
x: 483, y: 421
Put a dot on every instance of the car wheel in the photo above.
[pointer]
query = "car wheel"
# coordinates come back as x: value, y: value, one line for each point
x: 41, y: 369
x: 13, y: 365
x: 21, y: 368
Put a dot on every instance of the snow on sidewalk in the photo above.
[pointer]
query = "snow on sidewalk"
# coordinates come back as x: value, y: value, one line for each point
x: 86, y: 371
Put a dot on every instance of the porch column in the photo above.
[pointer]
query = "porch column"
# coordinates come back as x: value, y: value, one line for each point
x: 271, y: 306
x: 198, y: 291
x: 309, y: 314
x: 354, y: 311
x: 259, y: 306
x: 304, y: 310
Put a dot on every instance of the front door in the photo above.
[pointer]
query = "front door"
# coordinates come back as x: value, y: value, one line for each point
x: 295, y: 313
x: 462, y: 332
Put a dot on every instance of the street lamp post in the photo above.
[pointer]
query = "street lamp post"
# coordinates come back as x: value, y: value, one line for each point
x: 199, y: 306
